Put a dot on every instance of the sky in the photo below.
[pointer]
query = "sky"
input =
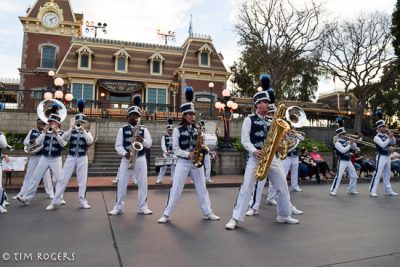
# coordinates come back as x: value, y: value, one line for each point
x: 138, y: 20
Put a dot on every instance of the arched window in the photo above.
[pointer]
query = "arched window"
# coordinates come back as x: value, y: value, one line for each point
x: 48, y: 57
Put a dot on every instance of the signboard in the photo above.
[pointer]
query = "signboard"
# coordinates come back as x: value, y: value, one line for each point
x: 121, y: 86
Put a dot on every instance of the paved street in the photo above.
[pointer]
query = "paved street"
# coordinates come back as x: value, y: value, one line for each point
x: 334, y: 231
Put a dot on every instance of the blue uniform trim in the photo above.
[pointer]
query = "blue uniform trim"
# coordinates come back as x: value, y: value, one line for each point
x: 373, y: 178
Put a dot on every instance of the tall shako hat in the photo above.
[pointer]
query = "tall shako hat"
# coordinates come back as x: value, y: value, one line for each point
x: 189, y: 106
x: 54, y: 114
x: 380, y: 122
x: 136, y: 105
x: 267, y: 92
x: 340, y: 123
x: 80, y: 116
x: 2, y: 106
x: 170, y: 124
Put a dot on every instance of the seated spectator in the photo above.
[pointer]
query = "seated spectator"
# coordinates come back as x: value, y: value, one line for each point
x: 395, y: 162
x: 367, y: 165
x: 307, y: 166
x: 322, y: 165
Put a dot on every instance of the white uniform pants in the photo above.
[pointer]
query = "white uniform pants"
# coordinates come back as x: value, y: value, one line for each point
x: 184, y: 167
x: 289, y: 164
x: 207, y: 167
x: 277, y: 179
x: 257, y: 194
x: 382, y: 166
x: 163, y: 169
x: 140, y: 173
x: 54, y: 163
x: 343, y: 165
x: 30, y: 169
x: 81, y: 166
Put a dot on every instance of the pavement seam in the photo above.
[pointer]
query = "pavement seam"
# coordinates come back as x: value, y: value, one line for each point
x: 112, y: 233
x: 368, y: 258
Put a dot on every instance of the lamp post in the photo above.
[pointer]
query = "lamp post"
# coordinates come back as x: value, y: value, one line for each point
x: 211, y: 86
x: 91, y: 26
x: 59, y: 92
x: 347, y: 104
x: 226, y: 108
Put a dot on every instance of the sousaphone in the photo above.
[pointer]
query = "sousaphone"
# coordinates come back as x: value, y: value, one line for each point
x: 43, y: 111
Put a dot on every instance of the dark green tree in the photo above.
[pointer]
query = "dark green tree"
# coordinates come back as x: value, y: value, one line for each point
x: 278, y: 39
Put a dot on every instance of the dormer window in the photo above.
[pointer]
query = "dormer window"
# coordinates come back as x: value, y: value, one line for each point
x: 204, y: 55
x: 85, y: 55
x: 121, y: 60
x: 156, y: 64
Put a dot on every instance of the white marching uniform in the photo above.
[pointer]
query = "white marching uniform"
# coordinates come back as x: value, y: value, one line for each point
x: 343, y: 150
x: 139, y: 172
x: 207, y: 167
x: 77, y: 159
x: 275, y: 174
x: 185, y: 167
x: 33, y: 161
x: 166, y: 148
x: 290, y: 163
x: 46, y: 161
x: 383, y: 142
x: 3, y: 145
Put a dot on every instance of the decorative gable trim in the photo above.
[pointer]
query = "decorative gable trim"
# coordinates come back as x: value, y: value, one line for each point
x: 84, y: 49
x: 205, y: 48
x: 156, y: 57
x: 122, y: 53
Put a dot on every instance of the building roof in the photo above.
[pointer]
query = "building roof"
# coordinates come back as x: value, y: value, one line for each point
x: 103, y: 52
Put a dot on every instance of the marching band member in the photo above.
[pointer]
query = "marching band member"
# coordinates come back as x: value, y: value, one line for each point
x: 254, y: 131
x: 30, y: 140
x: 343, y: 148
x: 383, y: 142
x: 77, y: 159
x: 166, y: 146
x: 3, y: 145
x: 259, y: 187
x: 207, y: 159
x: 126, y: 137
x: 3, y: 195
x: 51, y: 158
x: 185, y: 138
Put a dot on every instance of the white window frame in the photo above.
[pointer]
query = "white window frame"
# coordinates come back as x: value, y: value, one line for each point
x: 85, y: 50
x: 126, y: 64
x: 156, y: 57
x: 83, y: 83
x: 89, y: 67
x: 204, y: 49
x: 158, y: 88
x: 121, y: 53
x: 40, y: 49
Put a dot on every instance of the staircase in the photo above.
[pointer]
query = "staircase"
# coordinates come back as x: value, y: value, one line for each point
x: 106, y: 160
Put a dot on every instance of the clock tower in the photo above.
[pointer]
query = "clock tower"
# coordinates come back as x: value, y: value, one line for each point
x: 49, y: 27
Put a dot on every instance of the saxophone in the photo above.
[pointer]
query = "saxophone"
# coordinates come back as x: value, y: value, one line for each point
x: 201, y: 149
x: 278, y: 128
x: 135, y: 147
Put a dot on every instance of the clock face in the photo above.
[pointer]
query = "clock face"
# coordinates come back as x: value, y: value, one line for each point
x: 50, y: 19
